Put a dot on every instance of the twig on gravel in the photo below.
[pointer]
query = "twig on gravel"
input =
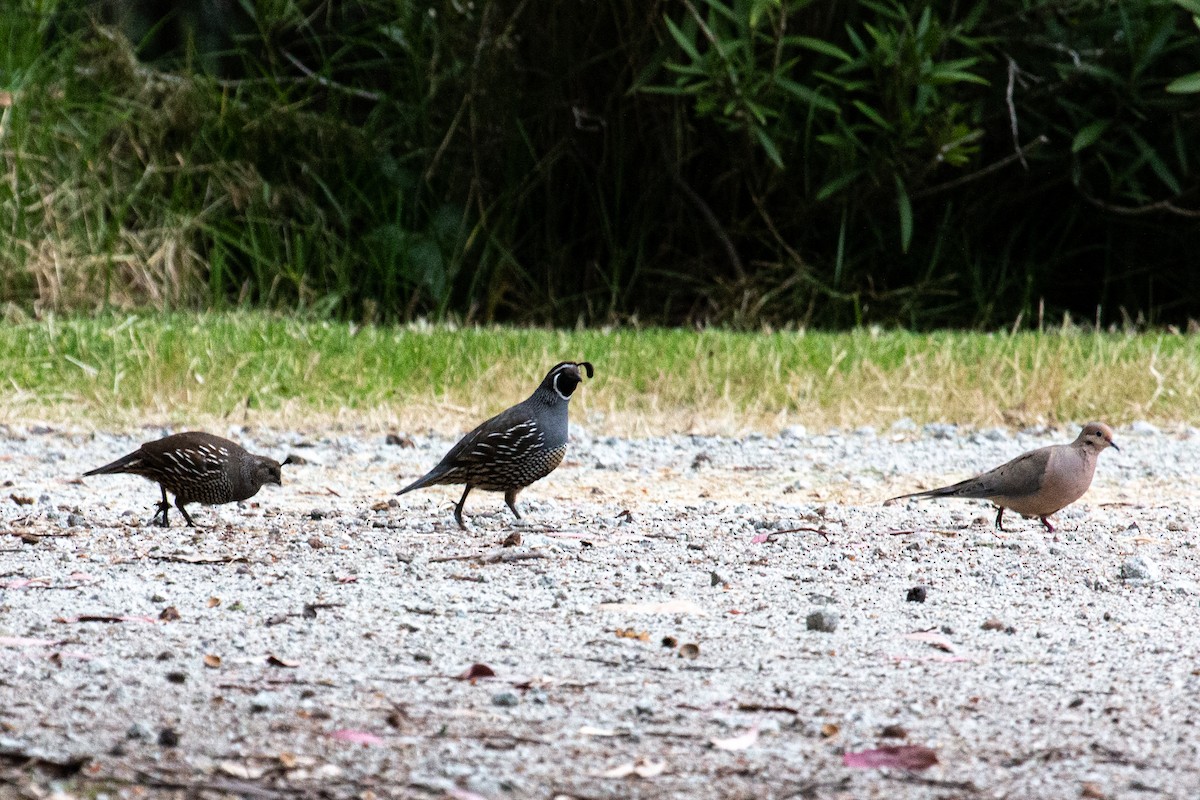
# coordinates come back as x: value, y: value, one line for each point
x: 772, y: 709
x: 500, y: 556
x: 824, y: 534
x: 183, y: 558
x: 192, y: 787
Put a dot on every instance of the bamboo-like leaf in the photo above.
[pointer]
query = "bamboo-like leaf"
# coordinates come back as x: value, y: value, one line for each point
x: 1185, y: 84
x: 1089, y: 134
x: 682, y: 40
x: 837, y: 184
x: 872, y: 115
x: 904, y: 205
x: 768, y: 146
x: 805, y: 94
x: 1159, y: 166
x: 819, y: 46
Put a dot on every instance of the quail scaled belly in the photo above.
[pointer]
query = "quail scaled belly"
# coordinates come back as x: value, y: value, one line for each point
x: 1038, y: 483
x: 516, y: 447
x: 197, y: 467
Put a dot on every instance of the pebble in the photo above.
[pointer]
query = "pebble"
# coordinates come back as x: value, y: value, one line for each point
x: 1140, y: 569
x: 823, y: 619
x: 505, y: 699
x: 264, y: 701
x: 916, y: 594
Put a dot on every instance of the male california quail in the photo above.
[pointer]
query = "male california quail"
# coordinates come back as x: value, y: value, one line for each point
x: 1038, y: 483
x: 197, y: 468
x: 514, y: 448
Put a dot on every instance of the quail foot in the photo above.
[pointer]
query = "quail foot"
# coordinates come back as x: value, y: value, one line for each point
x: 197, y: 467
x: 1038, y: 483
x: 516, y: 447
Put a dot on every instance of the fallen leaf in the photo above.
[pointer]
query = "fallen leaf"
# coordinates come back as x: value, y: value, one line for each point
x: 1092, y: 791
x: 669, y: 607
x: 356, y: 737
x: 642, y: 768
x: 24, y: 641
x: 276, y: 661
x: 588, y: 730
x: 348, y: 579
x: 904, y: 756
x: 630, y: 633
x: 235, y: 769
x: 740, y: 742
x: 933, y: 640
x: 21, y: 500
x: 169, y: 614
x: 213, y: 602
x: 103, y: 618
x: 477, y: 671
x: 829, y: 730
x: 759, y: 538
x: 463, y: 794
x: 212, y: 661
x: 689, y: 651
x: 26, y: 583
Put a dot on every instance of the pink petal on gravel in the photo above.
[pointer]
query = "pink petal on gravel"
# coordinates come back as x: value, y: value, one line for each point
x: 23, y: 641
x: 356, y: 737
x: 759, y: 538
x: 905, y: 756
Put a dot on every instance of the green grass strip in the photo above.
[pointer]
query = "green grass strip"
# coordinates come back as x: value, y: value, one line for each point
x: 117, y: 371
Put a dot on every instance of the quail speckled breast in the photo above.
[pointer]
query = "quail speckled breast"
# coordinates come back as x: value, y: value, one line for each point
x: 197, y: 467
x: 516, y: 447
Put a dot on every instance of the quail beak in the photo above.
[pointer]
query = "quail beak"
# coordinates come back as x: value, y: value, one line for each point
x: 1113, y: 445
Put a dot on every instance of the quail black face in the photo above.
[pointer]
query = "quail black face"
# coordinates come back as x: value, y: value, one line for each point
x: 268, y: 471
x: 567, y: 377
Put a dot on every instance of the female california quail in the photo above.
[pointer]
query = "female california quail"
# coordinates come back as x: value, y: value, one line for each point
x: 197, y: 468
x: 514, y: 448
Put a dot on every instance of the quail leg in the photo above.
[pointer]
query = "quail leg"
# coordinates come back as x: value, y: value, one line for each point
x: 510, y: 497
x: 163, y: 506
x: 458, y: 508
x: 183, y: 511
x: 1046, y: 522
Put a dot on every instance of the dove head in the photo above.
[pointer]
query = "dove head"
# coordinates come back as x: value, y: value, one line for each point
x: 1096, y: 436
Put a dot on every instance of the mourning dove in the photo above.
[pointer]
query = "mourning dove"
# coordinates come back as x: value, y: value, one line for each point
x: 1038, y: 483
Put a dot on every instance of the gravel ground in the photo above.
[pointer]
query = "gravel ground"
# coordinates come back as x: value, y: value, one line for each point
x: 650, y: 637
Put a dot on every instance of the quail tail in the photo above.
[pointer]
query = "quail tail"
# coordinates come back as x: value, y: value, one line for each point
x: 123, y: 464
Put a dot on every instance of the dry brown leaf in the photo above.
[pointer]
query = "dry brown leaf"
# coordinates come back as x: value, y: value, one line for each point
x: 212, y: 661
x: 213, y: 602
x: 630, y: 633
x: 169, y: 614
x: 829, y: 730
x: 276, y: 661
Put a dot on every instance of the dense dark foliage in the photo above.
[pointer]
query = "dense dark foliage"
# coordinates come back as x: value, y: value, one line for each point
x: 738, y: 161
